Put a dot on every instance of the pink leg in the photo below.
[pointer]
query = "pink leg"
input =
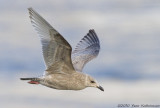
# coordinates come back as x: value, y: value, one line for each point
x: 33, y: 82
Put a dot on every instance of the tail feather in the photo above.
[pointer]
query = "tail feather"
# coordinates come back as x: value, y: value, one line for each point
x: 28, y: 78
x: 32, y: 80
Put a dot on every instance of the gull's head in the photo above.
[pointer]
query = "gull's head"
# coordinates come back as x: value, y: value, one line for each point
x: 91, y: 82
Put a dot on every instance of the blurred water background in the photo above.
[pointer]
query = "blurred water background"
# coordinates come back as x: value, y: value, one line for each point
x: 128, y: 66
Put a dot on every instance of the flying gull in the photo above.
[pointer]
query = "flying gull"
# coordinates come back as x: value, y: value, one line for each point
x: 64, y: 67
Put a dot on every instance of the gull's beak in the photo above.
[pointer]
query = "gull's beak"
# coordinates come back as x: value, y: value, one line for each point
x: 101, y: 88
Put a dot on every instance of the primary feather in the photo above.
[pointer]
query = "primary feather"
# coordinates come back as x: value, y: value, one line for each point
x: 87, y: 49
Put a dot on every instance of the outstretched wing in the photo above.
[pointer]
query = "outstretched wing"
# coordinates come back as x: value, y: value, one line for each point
x: 56, y: 50
x: 87, y: 49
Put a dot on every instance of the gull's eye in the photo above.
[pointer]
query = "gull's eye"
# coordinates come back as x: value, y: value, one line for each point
x: 92, y: 81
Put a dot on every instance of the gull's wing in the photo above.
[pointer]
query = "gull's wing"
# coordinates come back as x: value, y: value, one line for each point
x: 87, y: 49
x: 56, y: 50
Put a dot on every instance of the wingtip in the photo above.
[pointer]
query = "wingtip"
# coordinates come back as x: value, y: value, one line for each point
x: 91, y: 30
x: 31, y: 12
x: 30, y: 8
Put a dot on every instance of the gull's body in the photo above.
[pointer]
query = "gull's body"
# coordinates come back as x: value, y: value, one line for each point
x: 75, y: 81
x: 62, y: 72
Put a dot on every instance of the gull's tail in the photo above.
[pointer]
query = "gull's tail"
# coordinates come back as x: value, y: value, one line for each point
x: 32, y: 80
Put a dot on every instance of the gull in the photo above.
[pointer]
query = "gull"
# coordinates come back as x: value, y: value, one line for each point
x: 64, y: 67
